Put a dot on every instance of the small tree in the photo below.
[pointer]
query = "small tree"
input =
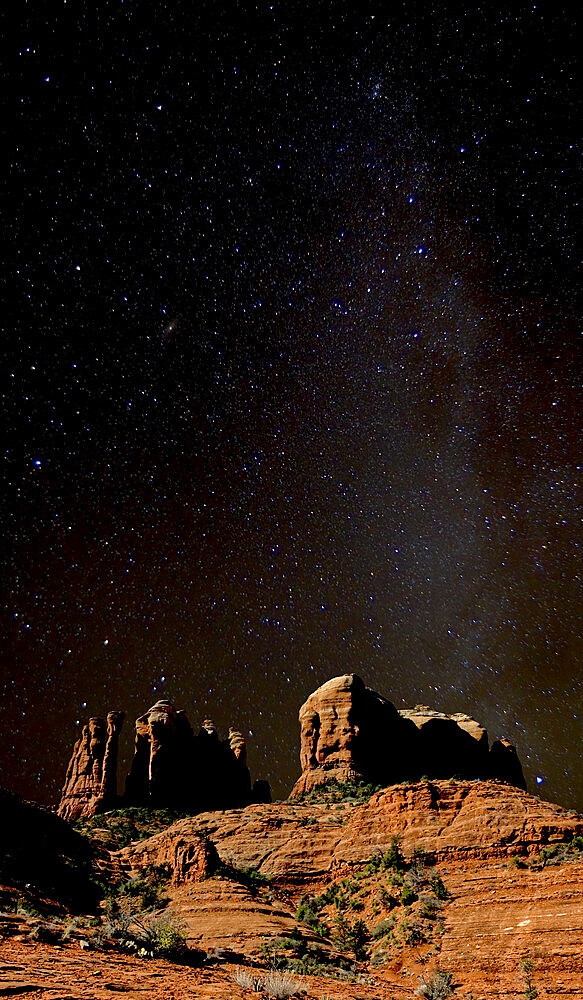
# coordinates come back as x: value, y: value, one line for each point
x: 527, y: 969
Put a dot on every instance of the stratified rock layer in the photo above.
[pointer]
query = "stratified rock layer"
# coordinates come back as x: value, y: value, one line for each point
x: 504, y: 901
x: 91, y: 780
x: 472, y: 830
x: 349, y: 732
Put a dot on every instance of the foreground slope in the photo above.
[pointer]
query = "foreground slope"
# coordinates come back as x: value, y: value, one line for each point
x: 483, y: 839
x: 483, y: 877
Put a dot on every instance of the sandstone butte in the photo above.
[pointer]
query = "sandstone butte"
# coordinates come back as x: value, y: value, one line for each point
x: 509, y: 863
x: 171, y: 767
x: 348, y: 732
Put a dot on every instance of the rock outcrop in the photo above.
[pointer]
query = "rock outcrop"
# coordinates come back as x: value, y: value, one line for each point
x: 91, y: 780
x: 349, y: 732
x: 43, y: 856
x: 484, y: 839
x: 171, y: 767
x: 496, y: 876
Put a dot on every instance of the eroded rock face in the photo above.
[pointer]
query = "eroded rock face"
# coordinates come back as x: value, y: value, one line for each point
x: 91, y: 780
x: 190, y: 858
x: 172, y: 767
x: 349, y: 732
x: 498, y: 912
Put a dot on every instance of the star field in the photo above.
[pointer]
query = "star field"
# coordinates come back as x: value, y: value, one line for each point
x: 291, y: 373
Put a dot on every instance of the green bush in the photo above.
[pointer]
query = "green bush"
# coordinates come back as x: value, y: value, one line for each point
x: 168, y: 941
x: 333, y: 791
x: 438, y: 888
x: 412, y: 932
x: 308, y: 908
x: 391, y: 860
x: 408, y: 896
x: 353, y: 937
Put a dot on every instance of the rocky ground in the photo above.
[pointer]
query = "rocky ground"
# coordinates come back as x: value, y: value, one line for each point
x: 482, y: 879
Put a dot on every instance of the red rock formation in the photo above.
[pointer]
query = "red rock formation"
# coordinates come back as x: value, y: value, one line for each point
x: 498, y: 912
x: 108, y: 794
x: 161, y: 756
x: 91, y: 780
x: 173, y: 767
x: 190, y: 858
x: 348, y: 732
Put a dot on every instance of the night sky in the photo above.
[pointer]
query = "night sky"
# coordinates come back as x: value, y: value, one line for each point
x: 291, y: 372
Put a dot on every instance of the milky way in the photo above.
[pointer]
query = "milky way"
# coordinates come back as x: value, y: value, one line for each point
x: 291, y: 373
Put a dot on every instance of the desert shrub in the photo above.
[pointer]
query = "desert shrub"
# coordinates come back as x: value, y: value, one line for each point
x: 430, y: 907
x: 337, y: 791
x: 46, y: 931
x: 248, y: 980
x: 120, y: 913
x: 408, y: 896
x: 308, y: 821
x: 155, y: 936
x: 391, y: 860
x: 296, y: 954
x: 412, y: 932
x: 437, y: 986
x: 308, y: 912
x: 251, y: 878
x: 416, y: 877
x: 308, y: 908
x: 280, y: 951
x: 165, y: 939
x: 129, y: 824
x: 280, y: 985
x: 383, y: 928
x: 439, y: 888
x: 354, y: 937
x: 557, y: 854
x: 386, y: 899
x: 26, y: 908
x: 71, y: 926
x: 144, y: 891
x: 330, y: 893
x: 527, y: 969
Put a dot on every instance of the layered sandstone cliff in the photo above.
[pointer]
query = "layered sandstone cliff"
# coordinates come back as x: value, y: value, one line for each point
x: 349, y: 732
x: 172, y: 766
